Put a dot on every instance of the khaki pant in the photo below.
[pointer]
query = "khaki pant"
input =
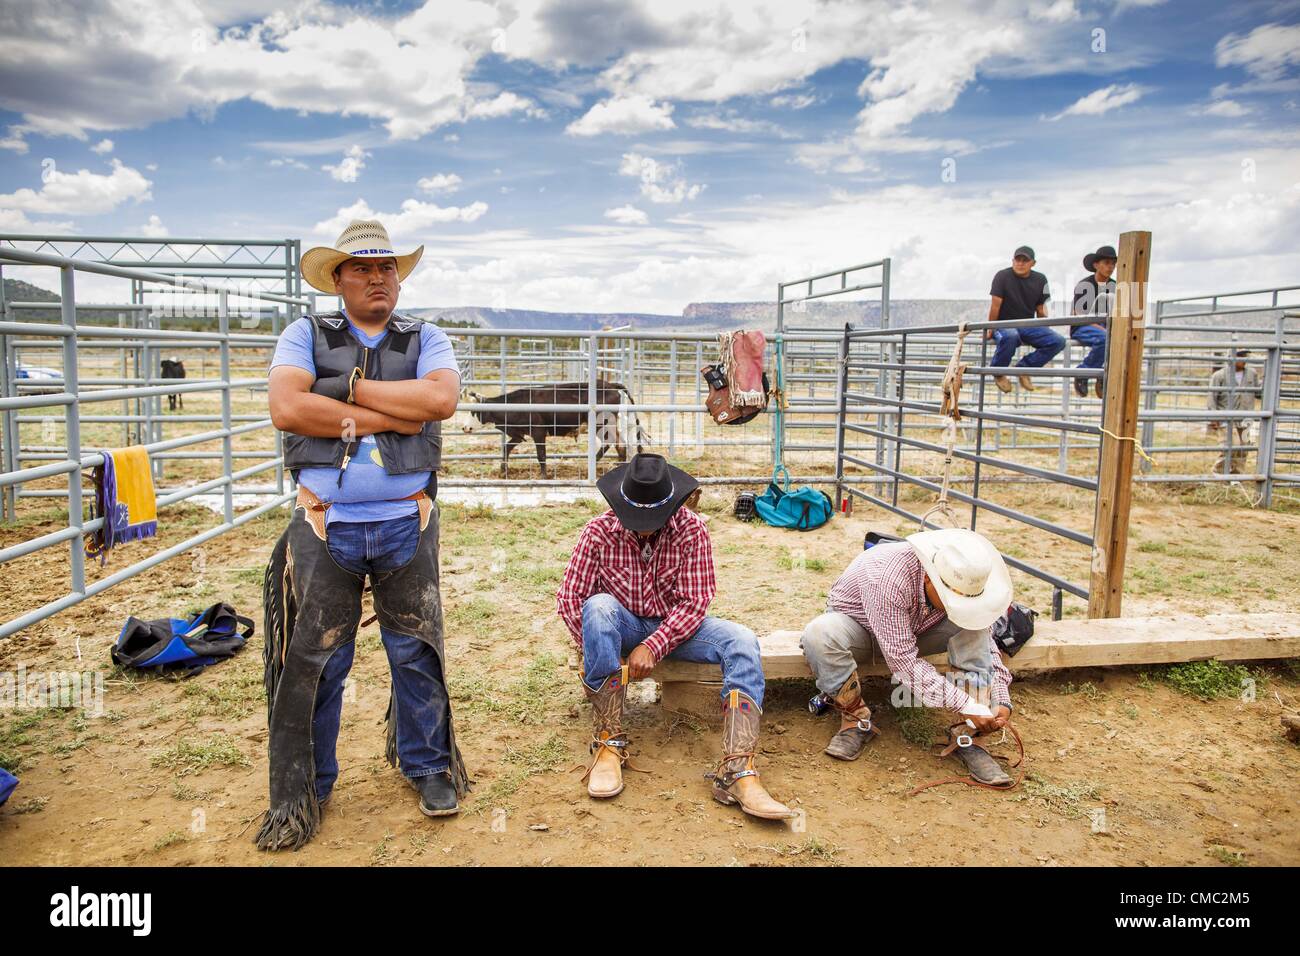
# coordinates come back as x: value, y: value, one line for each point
x: 834, y: 645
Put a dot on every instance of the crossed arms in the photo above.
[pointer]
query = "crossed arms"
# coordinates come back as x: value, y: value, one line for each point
x: 401, y: 407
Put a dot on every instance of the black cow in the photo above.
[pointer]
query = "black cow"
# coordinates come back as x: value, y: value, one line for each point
x: 174, y: 368
x: 538, y: 425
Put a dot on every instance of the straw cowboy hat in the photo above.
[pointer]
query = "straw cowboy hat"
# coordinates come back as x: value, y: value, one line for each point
x: 646, y: 492
x: 967, y: 572
x: 361, y: 239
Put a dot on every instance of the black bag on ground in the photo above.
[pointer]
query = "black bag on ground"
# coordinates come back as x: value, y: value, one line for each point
x: 1014, y: 628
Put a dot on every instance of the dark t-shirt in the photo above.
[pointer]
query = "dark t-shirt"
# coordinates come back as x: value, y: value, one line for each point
x: 1089, y: 299
x: 1020, y: 297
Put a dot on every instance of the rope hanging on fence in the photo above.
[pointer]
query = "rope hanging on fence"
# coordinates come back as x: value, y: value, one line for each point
x: 780, y: 473
x: 1136, y: 444
x: 950, y: 408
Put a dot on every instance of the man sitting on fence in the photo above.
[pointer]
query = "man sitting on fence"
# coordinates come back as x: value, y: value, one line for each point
x: 1094, y: 295
x: 900, y: 601
x: 639, y: 584
x: 360, y: 395
x: 1233, y: 389
x: 1018, y: 292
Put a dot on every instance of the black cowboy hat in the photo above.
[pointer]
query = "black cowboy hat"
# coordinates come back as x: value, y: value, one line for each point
x: 1104, y: 252
x: 646, y: 492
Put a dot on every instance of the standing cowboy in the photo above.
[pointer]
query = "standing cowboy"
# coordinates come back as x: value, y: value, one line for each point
x: 639, y: 585
x: 359, y: 395
x: 901, y: 601
x: 1233, y: 388
x: 1094, y: 295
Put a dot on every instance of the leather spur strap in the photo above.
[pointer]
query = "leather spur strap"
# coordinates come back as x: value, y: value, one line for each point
x: 955, y: 741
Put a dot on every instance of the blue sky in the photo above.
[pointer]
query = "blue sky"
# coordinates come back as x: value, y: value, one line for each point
x: 618, y: 154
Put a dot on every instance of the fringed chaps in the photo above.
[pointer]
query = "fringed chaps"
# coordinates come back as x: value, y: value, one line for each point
x: 312, y: 607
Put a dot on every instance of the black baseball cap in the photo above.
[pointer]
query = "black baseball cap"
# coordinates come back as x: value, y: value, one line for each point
x: 1025, y: 251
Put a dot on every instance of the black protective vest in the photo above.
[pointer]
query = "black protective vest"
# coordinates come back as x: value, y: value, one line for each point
x: 336, y: 352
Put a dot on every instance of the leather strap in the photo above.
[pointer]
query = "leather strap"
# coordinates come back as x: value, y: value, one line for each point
x: 954, y: 742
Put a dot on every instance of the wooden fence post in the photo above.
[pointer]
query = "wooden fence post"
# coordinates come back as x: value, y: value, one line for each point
x: 1125, y: 333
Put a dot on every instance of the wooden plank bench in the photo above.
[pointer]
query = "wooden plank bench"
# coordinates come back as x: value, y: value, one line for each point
x: 1107, y: 642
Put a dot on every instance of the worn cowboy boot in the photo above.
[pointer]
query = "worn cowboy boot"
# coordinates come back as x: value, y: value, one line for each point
x: 848, y: 742
x: 608, y: 744
x: 736, y: 781
x: 981, y: 764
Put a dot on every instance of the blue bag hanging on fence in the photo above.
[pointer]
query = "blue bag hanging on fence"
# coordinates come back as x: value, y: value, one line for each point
x: 802, y: 509
x: 186, y: 644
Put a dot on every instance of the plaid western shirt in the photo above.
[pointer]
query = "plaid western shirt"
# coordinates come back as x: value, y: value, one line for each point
x: 675, y: 583
x: 883, y: 589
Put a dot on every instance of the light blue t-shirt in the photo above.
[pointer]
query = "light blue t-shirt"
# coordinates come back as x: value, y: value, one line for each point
x: 368, y: 492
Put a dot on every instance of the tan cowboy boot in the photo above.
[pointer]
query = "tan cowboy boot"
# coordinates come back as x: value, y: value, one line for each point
x: 1027, y: 383
x: 608, y: 744
x: 736, y: 781
x: 848, y: 742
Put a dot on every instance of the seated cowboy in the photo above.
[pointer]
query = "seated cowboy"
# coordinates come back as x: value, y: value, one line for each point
x: 903, y: 600
x: 359, y: 395
x: 638, y: 585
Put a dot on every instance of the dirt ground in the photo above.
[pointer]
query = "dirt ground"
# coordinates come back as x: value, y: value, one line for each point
x: 1124, y: 767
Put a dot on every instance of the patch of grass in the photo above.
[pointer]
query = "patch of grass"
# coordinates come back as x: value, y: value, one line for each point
x: 918, y: 725
x: 231, y: 699
x: 466, y: 614
x: 1066, y: 799
x: 799, y: 562
x: 34, y: 805
x: 527, y: 699
x: 187, y: 756
x: 171, y: 838
x: 1087, y: 690
x: 189, y: 794
x: 813, y: 847
x: 1205, y: 680
x: 1226, y: 856
x: 1153, y: 547
x: 524, y: 762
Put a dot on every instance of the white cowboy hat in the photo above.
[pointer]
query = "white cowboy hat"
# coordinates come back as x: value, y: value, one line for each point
x: 967, y: 572
x: 361, y: 239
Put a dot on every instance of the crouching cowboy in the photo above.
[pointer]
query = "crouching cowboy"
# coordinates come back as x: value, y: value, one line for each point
x: 639, y: 584
x: 904, y: 600
x: 359, y: 395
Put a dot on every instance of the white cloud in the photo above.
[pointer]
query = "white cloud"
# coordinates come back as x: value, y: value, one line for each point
x: 623, y: 115
x: 350, y: 166
x: 13, y: 140
x: 440, y: 183
x: 1227, y: 108
x: 728, y: 121
x: 81, y: 193
x: 1266, y: 52
x: 1061, y: 11
x: 627, y: 216
x: 414, y: 218
x: 660, y: 182
x: 408, y: 71
x: 1103, y: 100
x: 103, y: 147
x: 289, y: 162
x: 154, y: 228
x: 792, y: 101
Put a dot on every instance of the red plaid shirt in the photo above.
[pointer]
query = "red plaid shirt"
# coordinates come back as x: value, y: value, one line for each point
x: 676, y: 583
x: 883, y: 589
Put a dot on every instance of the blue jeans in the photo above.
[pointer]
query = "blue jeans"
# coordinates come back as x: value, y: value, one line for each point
x: 610, y: 632
x: 1046, y: 345
x: 1095, y: 340
x: 421, y: 704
